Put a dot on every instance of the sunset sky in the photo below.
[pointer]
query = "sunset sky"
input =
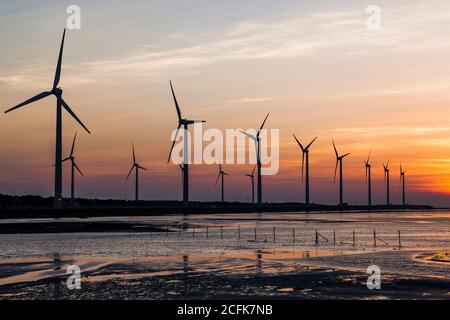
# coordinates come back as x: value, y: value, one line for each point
x: 315, y: 67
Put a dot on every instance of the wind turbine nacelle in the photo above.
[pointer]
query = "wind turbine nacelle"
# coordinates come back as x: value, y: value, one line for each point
x: 57, y: 91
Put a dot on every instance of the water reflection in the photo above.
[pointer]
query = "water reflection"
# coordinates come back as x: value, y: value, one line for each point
x: 259, y: 266
x: 185, y: 265
x: 56, y: 282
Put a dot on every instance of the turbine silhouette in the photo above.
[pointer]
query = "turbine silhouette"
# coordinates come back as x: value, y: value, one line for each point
x: 185, y: 123
x: 402, y: 181
x: 60, y: 104
x: 368, y: 180
x: 136, y: 166
x: 305, y: 154
x: 252, y: 178
x: 74, y: 167
x: 257, y: 140
x: 339, y: 162
x: 221, y: 175
x: 386, y: 179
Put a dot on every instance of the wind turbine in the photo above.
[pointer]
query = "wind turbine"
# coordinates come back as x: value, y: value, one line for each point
x: 136, y: 167
x: 386, y: 179
x: 257, y: 140
x: 221, y: 175
x: 305, y: 154
x: 402, y: 181
x: 185, y: 123
x: 73, y: 166
x: 339, y: 161
x: 369, y: 180
x: 60, y: 103
x: 252, y: 177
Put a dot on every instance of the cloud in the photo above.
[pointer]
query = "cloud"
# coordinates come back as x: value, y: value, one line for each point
x: 295, y: 35
x: 251, y: 100
x: 388, y: 131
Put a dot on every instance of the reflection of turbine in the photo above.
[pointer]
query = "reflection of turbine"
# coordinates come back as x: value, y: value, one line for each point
x: 185, y: 264
x: 252, y: 177
x: 257, y: 141
x: 305, y: 153
x: 136, y: 167
x: 259, y: 266
x: 386, y: 179
x: 402, y: 181
x: 60, y: 103
x: 185, y: 123
x: 368, y: 179
x: 221, y: 174
x: 74, y: 166
x: 339, y: 161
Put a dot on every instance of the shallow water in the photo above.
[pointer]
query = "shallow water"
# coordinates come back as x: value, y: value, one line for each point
x: 226, y: 243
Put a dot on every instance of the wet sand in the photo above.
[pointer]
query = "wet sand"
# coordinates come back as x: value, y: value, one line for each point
x: 252, y: 257
x: 301, y: 279
x: 261, y: 274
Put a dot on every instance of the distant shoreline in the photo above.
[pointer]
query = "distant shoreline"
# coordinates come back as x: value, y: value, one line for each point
x: 27, y: 207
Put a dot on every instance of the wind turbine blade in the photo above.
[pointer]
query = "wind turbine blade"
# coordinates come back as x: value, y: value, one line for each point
x: 345, y: 155
x: 73, y: 144
x: 66, y: 106
x: 131, y: 170
x: 181, y: 167
x: 335, y: 170
x: 249, y: 135
x: 264, y: 122
x: 134, y: 155
x: 64, y: 160
x: 309, y: 145
x: 175, y: 101
x: 173, y: 143
x: 253, y: 171
x: 298, y: 142
x: 368, y: 158
x: 140, y: 167
x: 335, y: 150
x: 58, y: 66
x: 35, y: 98
x: 78, y: 169
x: 217, y: 180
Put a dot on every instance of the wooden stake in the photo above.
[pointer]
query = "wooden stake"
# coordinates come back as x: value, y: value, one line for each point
x: 374, y: 238
x: 354, y: 240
